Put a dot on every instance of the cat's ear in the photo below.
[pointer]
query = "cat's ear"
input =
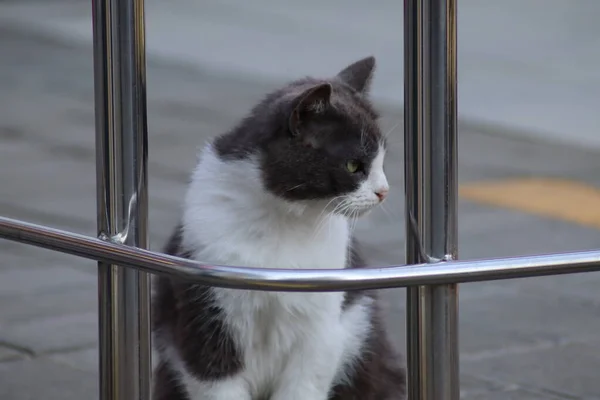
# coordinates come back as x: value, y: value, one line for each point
x: 311, y: 102
x: 358, y: 75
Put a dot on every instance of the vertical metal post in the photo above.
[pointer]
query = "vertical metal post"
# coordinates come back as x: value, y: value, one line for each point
x: 122, y: 201
x: 431, y: 193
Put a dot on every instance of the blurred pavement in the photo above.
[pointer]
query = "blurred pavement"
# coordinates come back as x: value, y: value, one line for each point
x: 528, y: 65
x: 520, y: 339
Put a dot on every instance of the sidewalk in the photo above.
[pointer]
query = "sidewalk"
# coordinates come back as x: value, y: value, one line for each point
x: 527, y: 65
x: 521, y: 339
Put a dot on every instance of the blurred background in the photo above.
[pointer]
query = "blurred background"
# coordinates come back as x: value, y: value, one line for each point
x: 529, y: 162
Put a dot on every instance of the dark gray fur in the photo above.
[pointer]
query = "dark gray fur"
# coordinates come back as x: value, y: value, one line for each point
x: 303, y: 133
x: 303, y: 151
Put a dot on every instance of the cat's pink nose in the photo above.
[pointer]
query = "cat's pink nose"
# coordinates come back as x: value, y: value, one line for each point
x: 382, y: 194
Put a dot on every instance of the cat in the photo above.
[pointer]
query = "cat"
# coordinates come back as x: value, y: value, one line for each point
x: 280, y: 190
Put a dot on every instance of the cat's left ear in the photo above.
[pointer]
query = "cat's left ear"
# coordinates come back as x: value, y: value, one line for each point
x: 311, y: 102
x: 359, y: 74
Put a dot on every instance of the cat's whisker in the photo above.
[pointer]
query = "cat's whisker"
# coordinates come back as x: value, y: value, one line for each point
x: 320, y: 217
x: 355, y: 216
x: 338, y: 209
x: 295, y: 187
x: 321, y: 221
x: 395, y: 141
x: 344, y: 207
x: 386, y: 211
x: 341, y: 207
x: 393, y: 128
x: 348, y: 212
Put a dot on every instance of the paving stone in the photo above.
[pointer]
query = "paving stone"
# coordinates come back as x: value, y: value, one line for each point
x: 18, y: 282
x: 526, y: 317
x: 13, y: 256
x: 43, y: 379
x: 576, y: 286
x: 473, y: 386
x: 84, y: 360
x: 478, y: 336
x: 571, y: 369
x: 518, y: 394
x: 532, y: 235
x: 53, y: 334
x: 45, y: 183
x: 18, y: 256
x: 60, y: 301
x: 10, y: 354
x: 519, y: 154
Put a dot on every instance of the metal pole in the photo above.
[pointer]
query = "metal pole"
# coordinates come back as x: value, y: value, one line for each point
x: 431, y: 193
x: 122, y: 202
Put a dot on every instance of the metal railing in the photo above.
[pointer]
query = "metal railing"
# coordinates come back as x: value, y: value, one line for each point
x: 431, y: 198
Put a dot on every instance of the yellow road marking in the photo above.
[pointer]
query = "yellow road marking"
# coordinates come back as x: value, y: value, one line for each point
x: 555, y: 198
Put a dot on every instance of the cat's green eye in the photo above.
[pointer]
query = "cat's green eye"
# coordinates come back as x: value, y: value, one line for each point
x: 353, y: 166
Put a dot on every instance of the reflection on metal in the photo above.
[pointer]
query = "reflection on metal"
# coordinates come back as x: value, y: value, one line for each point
x: 431, y: 194
x: 121, y: 154
x: 430, y: 135
x: 298, y: 280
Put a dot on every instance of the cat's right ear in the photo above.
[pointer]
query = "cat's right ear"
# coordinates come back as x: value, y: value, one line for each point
x: 311, y: 102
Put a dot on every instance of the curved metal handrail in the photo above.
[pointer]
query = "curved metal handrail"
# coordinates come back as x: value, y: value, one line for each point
x: 298, y: 280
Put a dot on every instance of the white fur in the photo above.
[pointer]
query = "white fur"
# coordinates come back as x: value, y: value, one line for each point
x: 365, y: 198
x: 294, y: 344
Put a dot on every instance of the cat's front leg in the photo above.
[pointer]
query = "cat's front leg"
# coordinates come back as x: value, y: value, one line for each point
x: 312, y: 367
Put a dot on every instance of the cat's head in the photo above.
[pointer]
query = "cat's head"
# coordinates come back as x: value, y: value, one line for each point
x: 318, y: 142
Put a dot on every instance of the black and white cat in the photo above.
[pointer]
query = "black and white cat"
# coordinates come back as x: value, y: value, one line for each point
x: 280, y: 191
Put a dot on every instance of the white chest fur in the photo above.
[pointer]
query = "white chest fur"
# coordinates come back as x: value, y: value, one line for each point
x: 230, y: 215
x: 292, y: 343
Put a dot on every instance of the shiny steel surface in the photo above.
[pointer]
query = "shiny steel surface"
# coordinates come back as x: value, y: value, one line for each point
x: 122, y: 200
x: 298, y: 280
x: 430, y: 132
